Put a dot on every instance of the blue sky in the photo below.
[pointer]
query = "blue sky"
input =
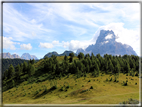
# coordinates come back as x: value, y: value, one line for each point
x: 39, y: 28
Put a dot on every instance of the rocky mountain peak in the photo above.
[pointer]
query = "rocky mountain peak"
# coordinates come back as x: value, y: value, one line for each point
x: 106, y: 44
x: 106, y: 37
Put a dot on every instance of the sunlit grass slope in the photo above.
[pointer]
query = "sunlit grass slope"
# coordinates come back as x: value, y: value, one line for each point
x: 69, y: 90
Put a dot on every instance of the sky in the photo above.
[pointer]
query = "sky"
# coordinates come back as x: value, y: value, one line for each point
x: 39, y: 28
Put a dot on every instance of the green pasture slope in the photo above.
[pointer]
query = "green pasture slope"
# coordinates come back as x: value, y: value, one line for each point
x: 105, y: 88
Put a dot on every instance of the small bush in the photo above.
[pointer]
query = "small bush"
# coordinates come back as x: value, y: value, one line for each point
x: 67, y: 86
x: 61, y: 89
x: 124, y: 83
x: 83, y: 91
x: 136, y: 74
x: 82, y: 85
x: 130, y: 101
x: 110, y: 79
x: 53, y: 87
x: 91, y: 87
x: 89, y: 81
x: 135, y: 83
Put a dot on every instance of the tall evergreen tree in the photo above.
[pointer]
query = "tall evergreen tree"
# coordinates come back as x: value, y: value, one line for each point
x: 80, y: 55
x: 25, y: 65
x: 71, y: 57
x: 110, y: 66
x: 18, y: 72
x: 11, y: 71
x: 65, y: 58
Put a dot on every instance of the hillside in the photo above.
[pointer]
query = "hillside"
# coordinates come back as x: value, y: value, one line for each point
x: 82, y: 80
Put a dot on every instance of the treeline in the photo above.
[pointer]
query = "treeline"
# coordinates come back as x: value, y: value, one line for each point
x: 7, y: 62
x: 108, y: 64
x: 93, y: 64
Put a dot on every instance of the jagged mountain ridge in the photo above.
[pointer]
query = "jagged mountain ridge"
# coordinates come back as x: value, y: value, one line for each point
x: 8, y: 55
x: 26, y: 56
x: 56, y: 54
x: 106, y: 44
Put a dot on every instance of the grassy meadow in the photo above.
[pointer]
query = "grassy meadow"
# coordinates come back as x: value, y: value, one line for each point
x: 75, y: 91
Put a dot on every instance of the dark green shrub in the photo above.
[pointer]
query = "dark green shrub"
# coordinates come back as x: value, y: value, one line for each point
x: 136, y: 74
x: 110, y: 79
x: 124, y: 83
x: 82, y: 85
x: 91, y: 87
x: 61, y: 89
x: 89, y: 81
x: 135, y: 83
x: 67, y: 86
x: 83, y: 91
x: 130, y: 101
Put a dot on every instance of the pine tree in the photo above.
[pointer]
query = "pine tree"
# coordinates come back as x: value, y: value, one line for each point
x: 18, y: 72
x: 11, y: 71
x: 30, y: 69
x: 65, y: 58
x: 71, y: 57
x: 21, y: 67
x: 80, y: 55
x: 110, y: 66
x: 25, y: 67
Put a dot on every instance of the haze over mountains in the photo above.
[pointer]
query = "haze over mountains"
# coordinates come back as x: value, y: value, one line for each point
x: 107, y: 44
x: 26, y: 56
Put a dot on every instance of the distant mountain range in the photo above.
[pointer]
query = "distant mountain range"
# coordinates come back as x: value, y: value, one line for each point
x: 25, y: 56
x: 106, y: 44
x: 56, y: 54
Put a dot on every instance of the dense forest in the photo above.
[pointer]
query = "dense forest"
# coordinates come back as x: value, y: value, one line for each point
x: 6, y: 63
x: 52, y: 68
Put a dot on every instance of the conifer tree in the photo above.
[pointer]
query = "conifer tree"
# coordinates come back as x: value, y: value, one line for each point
x: 111, y: 68
x: 65, y: 58
x: 18, y: 72
x: 25, y: 67
x: 11, y: 71
x: 80, y: 55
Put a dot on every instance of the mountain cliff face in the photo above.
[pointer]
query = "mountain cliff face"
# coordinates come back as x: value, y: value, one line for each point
x: 106, y: 44
x: 8, y: 55
x: 27, y: 56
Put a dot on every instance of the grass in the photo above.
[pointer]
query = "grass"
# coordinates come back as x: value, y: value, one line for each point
x: 67, y: 92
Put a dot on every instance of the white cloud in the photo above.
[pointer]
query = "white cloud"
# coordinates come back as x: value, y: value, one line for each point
x: 65, y: 44
x: 8, y: 43
x: 45, y: 45
x: 55, y: 42
x: 73, y: 45
x: 26, y: 46
x: 108, y: 36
